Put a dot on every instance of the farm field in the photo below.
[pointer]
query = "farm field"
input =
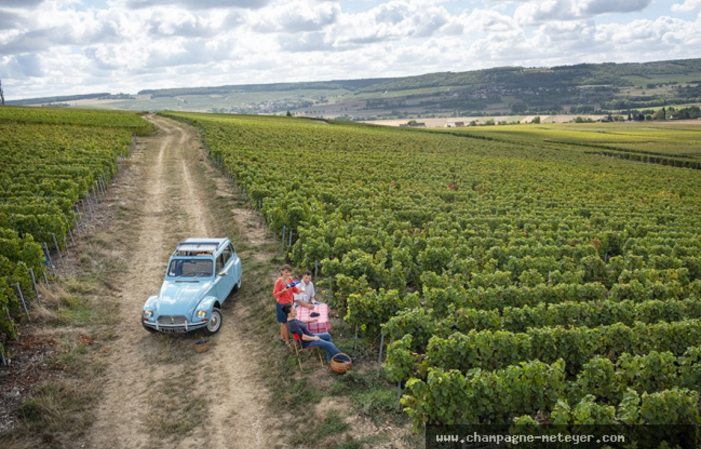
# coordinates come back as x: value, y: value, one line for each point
x: 516, y: 268
x: 681, y: 141
x: 233, y: 100
x: 441, y: 122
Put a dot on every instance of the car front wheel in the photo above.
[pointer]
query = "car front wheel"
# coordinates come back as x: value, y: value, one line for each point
x: 214, y: 323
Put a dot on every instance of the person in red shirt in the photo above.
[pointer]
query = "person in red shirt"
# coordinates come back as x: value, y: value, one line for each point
x: 284, y: 295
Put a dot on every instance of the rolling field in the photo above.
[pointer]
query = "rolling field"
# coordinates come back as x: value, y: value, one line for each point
x: 680, y: 141
x: 513, y: 278
x: 236, y: 100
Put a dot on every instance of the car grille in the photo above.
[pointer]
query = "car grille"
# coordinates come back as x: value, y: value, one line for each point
x: 168, y: 319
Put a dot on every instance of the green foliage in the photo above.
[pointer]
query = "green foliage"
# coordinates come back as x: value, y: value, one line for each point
x: 655, y: 371
x: 670, y: 407
x: 124, y: 120
x: 371, y: 310
x: 49, y: 159
x: 519, y: 106
x: 576, y: 346
x: 449, y: 397
x: 477, y: 254
x: 8, y: 300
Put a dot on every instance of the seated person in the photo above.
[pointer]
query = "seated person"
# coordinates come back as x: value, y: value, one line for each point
x: 322, y: 340
x: 305, y: 297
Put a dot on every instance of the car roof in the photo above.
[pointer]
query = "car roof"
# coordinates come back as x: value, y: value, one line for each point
x: 199, y: 246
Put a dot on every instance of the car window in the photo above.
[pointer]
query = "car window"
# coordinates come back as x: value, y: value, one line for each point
x: 225, y: 255
x: 190, y: 268
x: 231, y: 248
x: 220, y: 263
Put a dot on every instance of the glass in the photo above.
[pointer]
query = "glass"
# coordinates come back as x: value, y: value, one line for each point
x: 191, y: 268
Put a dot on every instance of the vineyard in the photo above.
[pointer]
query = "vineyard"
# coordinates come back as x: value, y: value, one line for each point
x: 655, y: 143
x: 512, y: 279
x: 54, y: 164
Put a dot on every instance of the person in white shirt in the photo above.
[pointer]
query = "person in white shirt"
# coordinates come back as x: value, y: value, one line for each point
x: 305, y: 297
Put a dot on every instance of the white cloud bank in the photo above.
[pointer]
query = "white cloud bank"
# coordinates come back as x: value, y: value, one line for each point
x: 62, y: 47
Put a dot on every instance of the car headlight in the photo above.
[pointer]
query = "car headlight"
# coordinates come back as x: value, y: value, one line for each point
x: 147, y: 313
x: 201, y: 313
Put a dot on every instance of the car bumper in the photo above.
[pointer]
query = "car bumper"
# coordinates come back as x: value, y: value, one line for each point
x: 174, y: 328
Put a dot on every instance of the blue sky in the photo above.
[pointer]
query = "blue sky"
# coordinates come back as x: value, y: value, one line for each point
x: 61, y: 47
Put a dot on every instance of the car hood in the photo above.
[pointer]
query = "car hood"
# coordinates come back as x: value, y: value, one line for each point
x: 181, y: 298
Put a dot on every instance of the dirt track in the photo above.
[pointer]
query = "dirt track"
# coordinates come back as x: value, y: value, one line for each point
x: 159, y: 391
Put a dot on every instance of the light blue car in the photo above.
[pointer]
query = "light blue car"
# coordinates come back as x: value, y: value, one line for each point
x: 201, y: 274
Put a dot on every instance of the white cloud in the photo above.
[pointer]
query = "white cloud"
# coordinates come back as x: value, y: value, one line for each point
x: 303, y: 42
x: 667, y: 37
x: 687, y: 6
x: 390, y: 21
x: 595, y: 7
x: 542, y: 11
x: 196, y: 4
x: 165, y: 23
x: 296, y: 16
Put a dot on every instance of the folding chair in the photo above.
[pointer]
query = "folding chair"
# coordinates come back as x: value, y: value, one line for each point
x: 299, y: 349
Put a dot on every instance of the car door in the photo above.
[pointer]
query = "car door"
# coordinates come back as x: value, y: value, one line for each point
x: 235, y: 265
x: 224, y: 280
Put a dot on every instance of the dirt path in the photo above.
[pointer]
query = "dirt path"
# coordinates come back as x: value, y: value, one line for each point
x: 158, y: 389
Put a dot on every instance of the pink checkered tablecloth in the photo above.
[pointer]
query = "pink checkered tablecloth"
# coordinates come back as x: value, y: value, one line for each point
x: 322, y: 324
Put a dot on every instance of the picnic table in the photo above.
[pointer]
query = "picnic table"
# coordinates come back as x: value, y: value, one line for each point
x: 322, y: 324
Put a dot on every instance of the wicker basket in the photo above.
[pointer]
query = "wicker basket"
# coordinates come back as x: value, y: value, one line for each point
x: 202, y: 345
x: 340, y: 366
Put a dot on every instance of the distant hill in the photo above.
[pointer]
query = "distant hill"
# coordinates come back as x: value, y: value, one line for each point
x: 562, y: 76
x: 277, y: 87
x: 65, y: 98
x: 578, y: 89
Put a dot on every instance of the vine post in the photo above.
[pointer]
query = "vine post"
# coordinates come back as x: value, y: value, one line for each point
x: 75, y: 220
x: 43, y: 273
x: 48, y: 258
x: 58, y: 249
x: 9, y: 320
x: 21, y: 298
x: 283, y: 238
x: 399, y: 394
x: 379, y: 358
x: 34, y: 283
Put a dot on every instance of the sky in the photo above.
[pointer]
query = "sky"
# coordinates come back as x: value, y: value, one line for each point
x: 66, y: 47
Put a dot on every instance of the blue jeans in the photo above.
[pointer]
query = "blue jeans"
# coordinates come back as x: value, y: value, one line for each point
x: 325, y: 343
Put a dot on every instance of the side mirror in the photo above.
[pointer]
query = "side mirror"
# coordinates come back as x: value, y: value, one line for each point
x: 221, y: 273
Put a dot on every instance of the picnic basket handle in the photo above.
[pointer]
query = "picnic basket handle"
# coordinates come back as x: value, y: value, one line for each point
x: 340, y: 367
x: 340, y: 353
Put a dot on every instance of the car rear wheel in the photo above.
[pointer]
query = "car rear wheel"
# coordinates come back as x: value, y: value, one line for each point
x: 214, y: 323
x: 237, y: 287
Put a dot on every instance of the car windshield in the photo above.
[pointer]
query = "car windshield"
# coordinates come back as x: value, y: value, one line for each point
x: 200, y: 268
